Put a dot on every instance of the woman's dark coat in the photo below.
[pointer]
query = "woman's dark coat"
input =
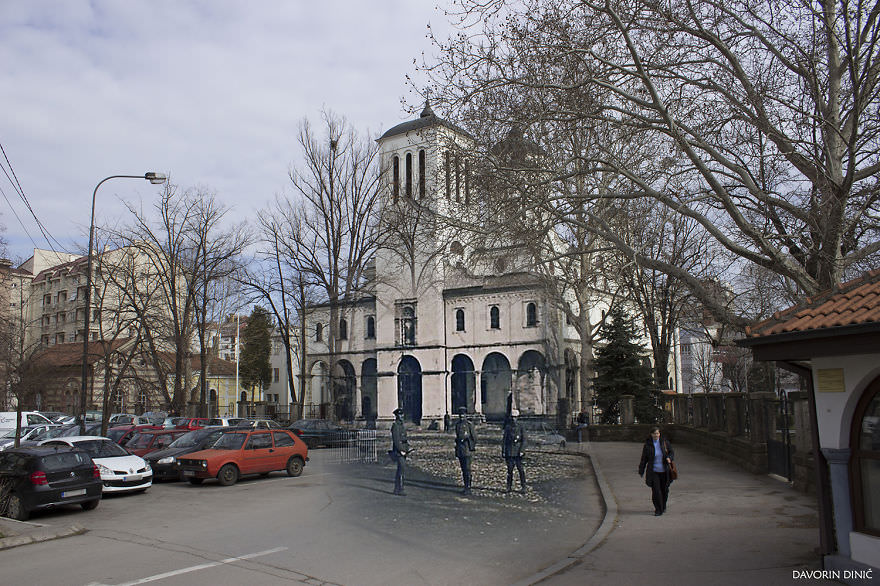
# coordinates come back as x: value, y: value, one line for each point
x: 646, y: 466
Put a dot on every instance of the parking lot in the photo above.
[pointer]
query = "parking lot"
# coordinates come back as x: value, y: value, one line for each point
x: 334, y: 524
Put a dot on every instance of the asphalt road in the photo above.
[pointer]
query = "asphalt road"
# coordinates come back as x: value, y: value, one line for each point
x: 334, y: 524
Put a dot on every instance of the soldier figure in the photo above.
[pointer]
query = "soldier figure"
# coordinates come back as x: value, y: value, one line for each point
x: 465, y: 444
x: 512, y: 445
x: 399, y: 450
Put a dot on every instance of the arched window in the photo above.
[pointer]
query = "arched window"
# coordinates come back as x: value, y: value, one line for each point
x: 422, y: 171
x: 459, y: 320
x: 371, y: 328
x: 531, y: 315
x: 409, y: 171
x: 865, y: 445
x: 457, y: 179
x: 395, y: 177
x: 494, y: 318
x: 408, y: 323
x: 343, y: 329
x: 319, y: 332
x: 447, y: 164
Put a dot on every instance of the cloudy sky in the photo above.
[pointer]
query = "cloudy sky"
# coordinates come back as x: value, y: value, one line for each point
x: 208, y: 91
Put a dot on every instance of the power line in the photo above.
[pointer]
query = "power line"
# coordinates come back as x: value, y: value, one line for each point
x: 14, y: 213
x: 16, y: 185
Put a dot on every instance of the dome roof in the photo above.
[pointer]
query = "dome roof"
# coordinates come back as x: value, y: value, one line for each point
x: 426, y: 119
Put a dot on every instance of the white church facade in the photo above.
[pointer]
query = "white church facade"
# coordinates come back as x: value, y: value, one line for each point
x: 432, y: 335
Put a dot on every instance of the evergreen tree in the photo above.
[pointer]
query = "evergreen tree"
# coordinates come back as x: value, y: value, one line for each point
x: 256, y: 344
x: 620, y: 370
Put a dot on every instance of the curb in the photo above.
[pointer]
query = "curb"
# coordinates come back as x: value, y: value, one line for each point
x: 605, y: 528
x: 36, y: 533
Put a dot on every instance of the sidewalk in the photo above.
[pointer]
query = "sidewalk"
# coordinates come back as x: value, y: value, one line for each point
x: 15, y: 533
x: 723, y: 526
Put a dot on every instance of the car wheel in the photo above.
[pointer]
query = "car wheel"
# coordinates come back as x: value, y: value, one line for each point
x: 90, y: 505
x: 295, y: 466
x: 228, y: 475
x: 196, y: 481
x: 15, y: 508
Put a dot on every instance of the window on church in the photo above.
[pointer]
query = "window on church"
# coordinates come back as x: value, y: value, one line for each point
x: 343, y: 329
x: 409, y: 171
x: 865, y: 468
x: 371, y: 328
x: 395, y: 177
x: 467, y: 183
x: 319, y: 332
x: 459, y: 320
x: 457, y: 179
x: 447, y: 164
x: 531, y: 315
x: 494, y: 318
x: 405, y: 323
x: 422, y: 171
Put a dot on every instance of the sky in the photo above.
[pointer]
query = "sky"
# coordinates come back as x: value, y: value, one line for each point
x: 210, y: 92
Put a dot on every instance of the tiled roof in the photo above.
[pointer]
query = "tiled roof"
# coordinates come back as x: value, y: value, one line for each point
x: 855, y: 303
x: 71, y: 353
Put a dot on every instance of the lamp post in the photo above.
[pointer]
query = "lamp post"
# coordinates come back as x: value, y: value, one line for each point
x: 155, y: 179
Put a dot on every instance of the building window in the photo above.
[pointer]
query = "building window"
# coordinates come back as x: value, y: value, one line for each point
x: 531, y: 315
x: 459, y: 320
x: 494, y: 318
x: 59, y: 338
x: 371, y: 328
x: 406, y: 323
x: 467, y: 183
x: 343, y: 329
x: 457, y: 179
x: 275, y: 375
x: 447, y: 164
x: 47, y: 300
x: 319, y: 332
x: 422, y: 171
x: 395, y: 177
x: 62, y: 297
x: 409, y: 171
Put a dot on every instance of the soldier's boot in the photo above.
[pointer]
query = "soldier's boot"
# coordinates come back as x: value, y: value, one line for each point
x: 522, y: 481
x: 509, y: 480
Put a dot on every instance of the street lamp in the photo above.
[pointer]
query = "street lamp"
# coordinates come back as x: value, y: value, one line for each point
x: 155, y: 179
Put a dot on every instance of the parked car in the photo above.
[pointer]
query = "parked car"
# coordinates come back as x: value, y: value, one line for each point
x: 155, y: 417
x: 164, y: 462
x: 127, y: 419
x: 320, y: 432
x: 225, y: 421
x: 8, y: 419
x: 7, y: 436
x: 258, y: 424
x: 54, y: 416
x: 241, y: 452
x: 191, y: 423
x: 122, y: 433
x: 120, y: 471
x: 539, y: 435
x: 48, y: 476
x: 150, y: 440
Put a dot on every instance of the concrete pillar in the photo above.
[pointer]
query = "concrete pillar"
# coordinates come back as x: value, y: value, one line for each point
x: 758, y: 416
x: 700, y: 405
x: 838, y: 472
x: 716, y: 413
x: 734, y: 408
x: 627, y: 410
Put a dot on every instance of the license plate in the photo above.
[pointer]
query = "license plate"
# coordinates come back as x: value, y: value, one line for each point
x: 71, y: 493
x: 132, y: 478
x: 189, y: 472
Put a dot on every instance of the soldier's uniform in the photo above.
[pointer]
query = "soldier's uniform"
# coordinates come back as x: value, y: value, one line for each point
x: 512, y: 445
x: 399, y: 450
x: 465, y: 445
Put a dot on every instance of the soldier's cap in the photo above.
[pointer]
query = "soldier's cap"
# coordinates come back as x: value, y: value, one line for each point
x: 398, y: 411
x: 514, y: 413
x: 462, y: 410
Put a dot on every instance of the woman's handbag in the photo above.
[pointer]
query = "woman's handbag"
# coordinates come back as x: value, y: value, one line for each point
x: 673, y: 471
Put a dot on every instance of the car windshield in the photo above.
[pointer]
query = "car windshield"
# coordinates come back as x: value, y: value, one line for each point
x: 116, y: 434
x: 8, y: 434
x: 140, y: 440
x: 102, y: 448
x: 230, y: 441
x: 64, y: 461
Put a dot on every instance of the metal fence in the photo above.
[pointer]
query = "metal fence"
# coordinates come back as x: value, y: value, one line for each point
x: 354, y: 446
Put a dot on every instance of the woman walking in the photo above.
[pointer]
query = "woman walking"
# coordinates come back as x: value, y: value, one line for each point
x: 657, y: 455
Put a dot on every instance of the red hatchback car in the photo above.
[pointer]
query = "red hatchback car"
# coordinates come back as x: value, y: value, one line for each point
x: 191, y: 423
x: 150, y: 440
x: 241, y: 452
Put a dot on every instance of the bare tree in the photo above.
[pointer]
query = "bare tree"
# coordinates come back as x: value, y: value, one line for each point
x: 330, y: 233
x: 759, y: 116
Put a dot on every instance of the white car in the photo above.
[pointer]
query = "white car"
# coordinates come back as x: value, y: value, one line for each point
x: 7, y: 436
x: 120, y: 471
